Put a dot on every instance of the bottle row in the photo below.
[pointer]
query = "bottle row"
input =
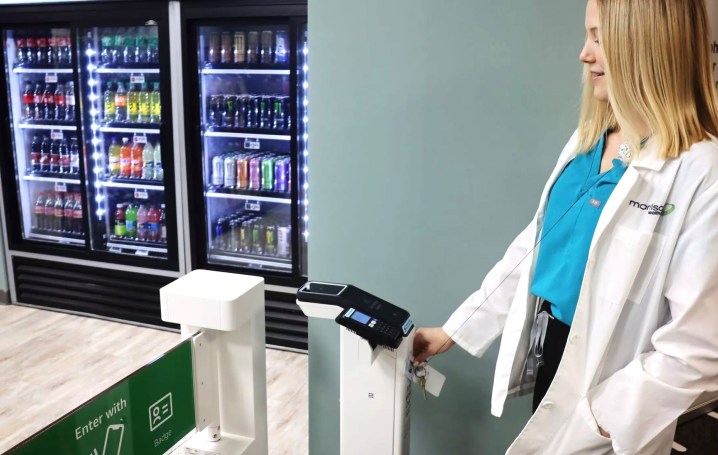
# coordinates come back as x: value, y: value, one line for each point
x: 141, y: 222
x: 251, y: 171
x: 48, y: 102
x: 58, y: 214
x: 132, y: 46
x: 138, y: 105
x: 248, y: 233
x: 239, y: 47
x: 135, y: 160
x: 40, y: 49
x: 54, y: 156
x: 249, y: 111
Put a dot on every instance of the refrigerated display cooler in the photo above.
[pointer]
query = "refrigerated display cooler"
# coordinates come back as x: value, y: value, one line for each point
x: 91, y: 190
x: 246, y: 86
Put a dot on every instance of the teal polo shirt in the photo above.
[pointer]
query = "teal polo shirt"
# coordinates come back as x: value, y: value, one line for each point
x: 574, y: 205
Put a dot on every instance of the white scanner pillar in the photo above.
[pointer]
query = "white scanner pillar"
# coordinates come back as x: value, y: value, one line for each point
x: 374, y: 393
x: 229, y: 358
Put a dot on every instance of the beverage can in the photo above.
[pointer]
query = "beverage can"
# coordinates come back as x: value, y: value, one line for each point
x: 225, y: 51
x: 251, y: 113
x: 236, y: 230
x: 229, y: 109
x: 265, y: 111
x: 213, y: 50
x: 266, y: 50
x: 268, y: 173
x: 270, y: 243
x: 219, y: 234
x: 281, y: 175
x: 280, y: 47
x: 243, y: 172
x: 283, y: 241
x: 239, y: 50
x: 253, y: 47
x: 255, y: 176
x: 217, y: 171
x: 230, y: 171
x: 215, y: 110
x: 258, y: 237
x: 240, y: 116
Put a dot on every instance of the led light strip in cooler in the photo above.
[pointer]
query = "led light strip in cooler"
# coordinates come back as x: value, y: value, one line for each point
x: 97, y: 154
x: 305, y: 120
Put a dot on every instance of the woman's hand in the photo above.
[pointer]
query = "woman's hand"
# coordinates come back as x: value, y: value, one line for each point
x: 429, y: 341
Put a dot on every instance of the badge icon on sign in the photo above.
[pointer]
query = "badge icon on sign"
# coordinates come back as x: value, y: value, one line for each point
x: 160, y: 412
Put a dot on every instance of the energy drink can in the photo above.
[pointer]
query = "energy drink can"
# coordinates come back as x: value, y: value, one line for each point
x: 266, y: 51
x: 278, y: 113
x: 265, y: 111
x: 240, y: 116
x: 245, y: 236
x: 253, y: 47
x: 281, y: 45
x: 213, y: 47
x: 235, y: 227
x: 258, y: 237
x: 230, y: 107
x: 281, y: 175
x: 270, y: 242
x: 284, y: 249
x: 255, y: 175
x: 268, y: 173
x: 217, y: 171
x: 230, y: 171
x: 243, y: 172
x: 219, y: 234
x: 239, y: 51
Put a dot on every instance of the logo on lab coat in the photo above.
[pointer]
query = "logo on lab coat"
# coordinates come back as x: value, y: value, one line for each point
x: 654, y: 209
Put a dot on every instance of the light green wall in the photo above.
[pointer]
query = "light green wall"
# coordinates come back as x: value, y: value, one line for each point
x: 434, y: 125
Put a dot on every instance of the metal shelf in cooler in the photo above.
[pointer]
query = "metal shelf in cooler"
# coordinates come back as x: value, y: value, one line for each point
x: 38, y: 126
x: 42, y: 70
x: 134, y: 186
x: 277, y: 137
x: 245, y: 197
x: 121, y: 246
x: 56, y: 239
x: 245, y: 71
x: 128, y: 70
x: 35, y: 178
x: 109, y: 129
x: 266, y: 263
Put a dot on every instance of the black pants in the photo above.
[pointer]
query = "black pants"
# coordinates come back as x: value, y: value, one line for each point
x: 553, y: 346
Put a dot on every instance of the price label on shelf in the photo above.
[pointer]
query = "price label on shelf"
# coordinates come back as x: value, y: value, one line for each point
x: 253, y: 206
x: 60, y: 187
x: 51, y: 78
x: 251, y: 144
x: 137, y: 78
x: 139, y: 139
x: 141, y: 194
x: 114, y: 249
x: 142, y: 252
x: 56, y: 135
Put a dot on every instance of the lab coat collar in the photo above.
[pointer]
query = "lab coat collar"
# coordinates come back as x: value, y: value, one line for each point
x: 648, y: 158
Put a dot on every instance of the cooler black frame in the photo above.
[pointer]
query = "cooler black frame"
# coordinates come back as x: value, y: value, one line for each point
x: 90, y: 14
x: 195, y: 14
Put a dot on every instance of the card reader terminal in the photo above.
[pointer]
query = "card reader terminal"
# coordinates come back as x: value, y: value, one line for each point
x: 372, y: 318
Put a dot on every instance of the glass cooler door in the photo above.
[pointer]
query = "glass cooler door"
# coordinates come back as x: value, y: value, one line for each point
x: 43, y: 133
x: 247, y: 118
x: 120, y: 77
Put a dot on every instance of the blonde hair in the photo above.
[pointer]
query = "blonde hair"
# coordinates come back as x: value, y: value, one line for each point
x: 659, y: 75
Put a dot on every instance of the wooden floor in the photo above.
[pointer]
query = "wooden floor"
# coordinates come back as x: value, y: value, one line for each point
x: 52, y: 362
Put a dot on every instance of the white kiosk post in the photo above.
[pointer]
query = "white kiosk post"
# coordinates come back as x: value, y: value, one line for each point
x: 229, y: 358
x: 375, y: 390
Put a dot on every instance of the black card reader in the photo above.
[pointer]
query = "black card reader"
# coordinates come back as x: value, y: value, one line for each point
x: 372, y: 318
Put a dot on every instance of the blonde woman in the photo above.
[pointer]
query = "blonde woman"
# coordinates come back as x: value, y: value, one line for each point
x: 608, y: 300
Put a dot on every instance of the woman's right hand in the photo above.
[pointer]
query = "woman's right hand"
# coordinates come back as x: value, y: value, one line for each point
x: 429, y: 341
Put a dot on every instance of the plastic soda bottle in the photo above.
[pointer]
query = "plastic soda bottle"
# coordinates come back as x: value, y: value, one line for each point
x: 145, y: 105
x: 153, y: 224
x: 148, y: 162
x: 120, y: 226
x: 67, y: 214
x: 59, y: 213
x: 121, y: 103
x: 136, y: 171
x: 125, y: 158
x: 131, y: 221
x: 109, y: 102
x: 113, y: 157
x: 163, y: 224
x: 49, y: 212
x: 155, y: 104
x: 142, y: 223
x: 159, y: 171
x: 133, y: 103
x: 38, y: 220
x: 77, y: 227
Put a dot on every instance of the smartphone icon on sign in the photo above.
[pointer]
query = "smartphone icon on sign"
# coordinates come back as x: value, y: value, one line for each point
x: 113, y: 439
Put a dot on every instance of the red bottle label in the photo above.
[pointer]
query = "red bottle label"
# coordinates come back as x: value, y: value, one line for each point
x: 42, y: 42
x: 65, y: 161
x: 37, y: 98
x: 60, y: 100
x: 28, y: 98
x: 68, y: 213
x: 52, y: 41
x: 20, y: 43
x: 59, y: 212
x: 31, y: 42
x: 49, y: 99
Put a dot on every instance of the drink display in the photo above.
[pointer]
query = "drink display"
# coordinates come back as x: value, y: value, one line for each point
x: 246, y: 170
x: 58, y: 214
x: 250, y: 233
x: 139, y: 221
x: 255, y: 47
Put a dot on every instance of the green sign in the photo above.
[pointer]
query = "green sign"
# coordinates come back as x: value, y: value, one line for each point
x: 145, y: 414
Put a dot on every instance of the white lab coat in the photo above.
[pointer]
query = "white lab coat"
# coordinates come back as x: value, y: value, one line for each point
x: 644, y: 340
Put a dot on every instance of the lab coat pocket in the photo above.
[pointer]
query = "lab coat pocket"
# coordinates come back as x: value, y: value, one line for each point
x: 579, y: 435
x: 620, y: 263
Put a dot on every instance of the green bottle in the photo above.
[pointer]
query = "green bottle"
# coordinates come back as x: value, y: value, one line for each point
x: 109, y: 101
x: 155, y: 104
x: 145, y: 105
x: 131, y: 221
x: 133, y: 103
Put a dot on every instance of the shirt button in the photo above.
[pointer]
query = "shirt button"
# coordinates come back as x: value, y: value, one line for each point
x: 547, y: 405
x: 573, y: 339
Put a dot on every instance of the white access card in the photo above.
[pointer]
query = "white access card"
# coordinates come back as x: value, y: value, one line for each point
x: 434, y: 379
